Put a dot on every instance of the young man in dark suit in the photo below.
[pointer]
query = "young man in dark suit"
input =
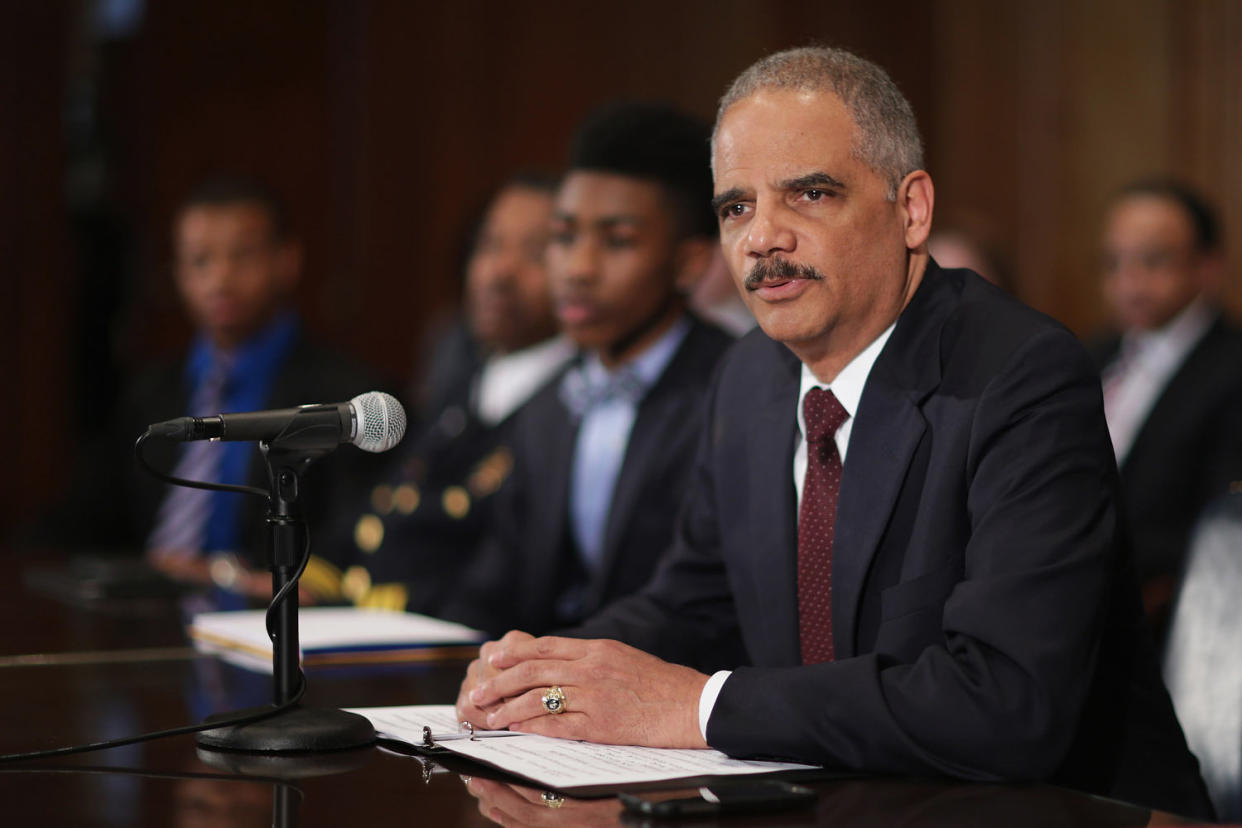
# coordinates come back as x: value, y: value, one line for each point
x: 901, y: 534
x: 601, y: 457
x: 236, y: 265
x: 1172, y: 376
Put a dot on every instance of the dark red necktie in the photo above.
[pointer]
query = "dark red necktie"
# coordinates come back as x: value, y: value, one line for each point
x: 816, y: 517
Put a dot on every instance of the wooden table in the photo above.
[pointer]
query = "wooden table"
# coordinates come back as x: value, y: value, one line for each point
x: 71, y: 674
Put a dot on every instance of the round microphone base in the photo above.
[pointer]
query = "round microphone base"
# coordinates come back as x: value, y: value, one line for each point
x: 297, y: 730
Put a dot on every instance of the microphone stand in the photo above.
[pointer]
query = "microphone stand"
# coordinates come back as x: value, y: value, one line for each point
x: 298, y: 729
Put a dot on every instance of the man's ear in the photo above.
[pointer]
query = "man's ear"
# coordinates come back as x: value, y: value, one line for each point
x: 691, y: 260
x: 916, y: 198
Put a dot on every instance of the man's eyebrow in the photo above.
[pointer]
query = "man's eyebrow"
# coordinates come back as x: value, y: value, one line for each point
x: 724, y: 198
x: 810, y: 181
x: 604, y: 222
x: 619, y: 220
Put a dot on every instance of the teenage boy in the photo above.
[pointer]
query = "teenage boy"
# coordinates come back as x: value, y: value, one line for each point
x: 602, y: 456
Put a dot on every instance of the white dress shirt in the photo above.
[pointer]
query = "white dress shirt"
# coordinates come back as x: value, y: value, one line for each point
x: 507, y: 381
x: 1145, y: 363
x: 604, y: 435
x: 848, y: 389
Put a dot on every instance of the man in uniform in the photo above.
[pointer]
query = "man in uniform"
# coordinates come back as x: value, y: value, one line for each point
x: 408, y: 542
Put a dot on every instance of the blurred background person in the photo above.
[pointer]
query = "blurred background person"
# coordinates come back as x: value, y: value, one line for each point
x: 411, y: 536
x: 602, y: 456
x: 968, y: 240
x: 236, y: 266
x: 1171, y: 373
x: 716, y: 299
x: 120, y: 100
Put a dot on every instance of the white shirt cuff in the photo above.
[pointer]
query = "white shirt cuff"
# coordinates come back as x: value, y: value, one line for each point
x: 707, y: 699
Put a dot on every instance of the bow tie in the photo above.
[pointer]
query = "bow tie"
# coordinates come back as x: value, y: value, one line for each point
x: 581, y: 392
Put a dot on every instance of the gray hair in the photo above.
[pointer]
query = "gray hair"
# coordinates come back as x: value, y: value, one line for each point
x: 888, y: 137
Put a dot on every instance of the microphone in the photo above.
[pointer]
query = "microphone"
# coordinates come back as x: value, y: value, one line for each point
x: 373, y: 422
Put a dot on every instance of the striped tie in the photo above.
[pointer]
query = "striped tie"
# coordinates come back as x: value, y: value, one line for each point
x: 181, y: 525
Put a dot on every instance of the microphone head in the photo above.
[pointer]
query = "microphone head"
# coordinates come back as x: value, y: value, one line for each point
x: 379, y: 421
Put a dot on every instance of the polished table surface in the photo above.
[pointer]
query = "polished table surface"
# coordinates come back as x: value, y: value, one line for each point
x: 72, y: 673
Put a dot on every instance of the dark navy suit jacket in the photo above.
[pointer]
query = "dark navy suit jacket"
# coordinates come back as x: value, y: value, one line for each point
x: 528, y: 560
x: 985, y: 622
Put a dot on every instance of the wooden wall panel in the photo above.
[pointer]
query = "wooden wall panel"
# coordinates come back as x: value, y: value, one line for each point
x: 1117, y: 92
x: 1206, y: 112
x: 451, y: 99
x: 1044, y: 108
x: 387, y: 122
x: 37, y: 391
x: 209, y: 87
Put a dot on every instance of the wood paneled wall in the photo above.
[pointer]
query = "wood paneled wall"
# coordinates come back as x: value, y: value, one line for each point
x: 37, y: 388
x: 386, y: 124
x: 1043, y: 109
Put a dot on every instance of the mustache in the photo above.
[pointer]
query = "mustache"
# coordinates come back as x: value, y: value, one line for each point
x: 779, y: 269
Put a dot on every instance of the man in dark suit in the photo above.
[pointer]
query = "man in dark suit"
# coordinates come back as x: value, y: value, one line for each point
x: 407, y: 542
x: 236, y: 266
x: 901, y: 533
x: 602, y: 456
x: 1172, y: 376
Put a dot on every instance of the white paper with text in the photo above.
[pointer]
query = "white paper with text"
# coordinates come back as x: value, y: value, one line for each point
x: 564, y: 763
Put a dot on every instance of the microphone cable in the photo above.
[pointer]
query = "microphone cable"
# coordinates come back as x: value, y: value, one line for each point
x: 193, y: 484
x: 249, y: 718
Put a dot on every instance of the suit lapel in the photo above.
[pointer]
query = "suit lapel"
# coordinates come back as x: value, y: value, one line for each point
x: 888, y: 428
x: 646, y: 436
x: 558, y: 435
x: 771, y: 507
x: 1188, y: 382
x: 657, y: 413
x: 882, y: 442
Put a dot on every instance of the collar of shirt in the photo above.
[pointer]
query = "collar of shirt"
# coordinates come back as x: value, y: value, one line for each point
x: 255, y: 363
x: 848, y: 389
x: 507, y: 381
x: 1145, y: 363
x: 647, y: 366
x: 1159, y: 351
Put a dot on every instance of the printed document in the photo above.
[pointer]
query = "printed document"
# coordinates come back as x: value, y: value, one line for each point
x: 560, y: 763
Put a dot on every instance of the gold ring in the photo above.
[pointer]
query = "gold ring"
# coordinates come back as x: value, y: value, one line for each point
x: 554, y: 700
x: 552, y: 799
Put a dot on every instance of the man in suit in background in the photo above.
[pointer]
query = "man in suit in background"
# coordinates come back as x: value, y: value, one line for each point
x: 1172, y: 377
x: 236, y: 266
x: 410, y: 538
x: 901, y: 530
x: 602, y: 456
